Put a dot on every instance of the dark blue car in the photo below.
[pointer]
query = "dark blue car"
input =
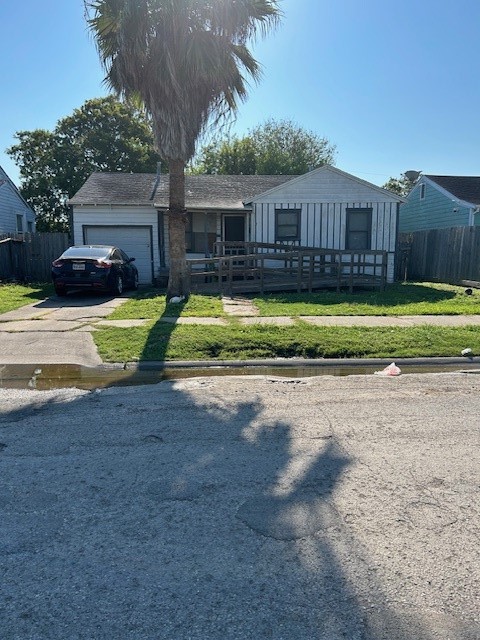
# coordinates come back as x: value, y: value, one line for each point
x: 100, y: 268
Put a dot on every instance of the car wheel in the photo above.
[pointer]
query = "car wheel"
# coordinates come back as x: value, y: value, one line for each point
x: 135, y: 282
x: 60, y: 291
x: 118, y: 286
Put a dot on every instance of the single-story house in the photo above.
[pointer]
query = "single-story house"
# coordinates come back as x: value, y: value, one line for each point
x: 438, y: 202
x: 325, y: 208
x: 16, y: 216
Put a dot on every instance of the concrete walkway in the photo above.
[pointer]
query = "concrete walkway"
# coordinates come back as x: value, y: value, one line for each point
x: 59, y: 330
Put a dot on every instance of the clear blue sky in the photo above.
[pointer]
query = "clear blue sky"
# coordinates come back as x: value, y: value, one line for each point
x: 394, y: 86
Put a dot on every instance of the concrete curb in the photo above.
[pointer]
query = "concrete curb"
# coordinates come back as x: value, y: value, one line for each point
x: 294, y: 362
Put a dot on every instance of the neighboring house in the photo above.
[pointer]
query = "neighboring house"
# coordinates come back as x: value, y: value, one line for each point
x: 325, y: 208
x: 16, y: 216
x: 438, y: 202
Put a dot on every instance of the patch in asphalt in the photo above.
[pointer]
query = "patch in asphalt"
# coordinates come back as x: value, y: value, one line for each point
x: 290, y: 518
x: 178, y: 489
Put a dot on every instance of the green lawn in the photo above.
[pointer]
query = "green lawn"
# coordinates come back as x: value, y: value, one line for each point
x: 13, y: 296
x: 162, y: 341
x: 152, y: 304
x: 159, y: 341
x: 421, y: 298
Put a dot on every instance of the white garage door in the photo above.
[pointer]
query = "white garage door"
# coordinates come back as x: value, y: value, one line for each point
x: 135, y: 241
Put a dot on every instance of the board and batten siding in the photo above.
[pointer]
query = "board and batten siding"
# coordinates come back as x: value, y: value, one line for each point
x: 323, y: 197
x: 324, y: 225
x: 117, y: 216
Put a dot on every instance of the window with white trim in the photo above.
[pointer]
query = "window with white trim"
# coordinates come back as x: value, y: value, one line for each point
x: 287, y: 224
x: 422, y: 190
x: 359, y: 229
x: 19, y: 223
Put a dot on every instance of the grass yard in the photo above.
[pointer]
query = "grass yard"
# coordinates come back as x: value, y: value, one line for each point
x: 13, y: 296
x: 420, y: 298
x: 152, y: 304
x: 159, y: 341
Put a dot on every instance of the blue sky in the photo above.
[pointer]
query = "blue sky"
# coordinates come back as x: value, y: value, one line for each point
x: 394, y: 86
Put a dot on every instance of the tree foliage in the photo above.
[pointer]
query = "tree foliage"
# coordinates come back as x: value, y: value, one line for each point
x: 102, y: 135
x: 401, y: 186
x: 272, y: 148
x: 187, y: 60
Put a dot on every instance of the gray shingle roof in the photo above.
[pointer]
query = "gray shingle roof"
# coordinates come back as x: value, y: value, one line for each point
x: 116, y: 188
x: 462, y: 187
x: 201, y: 191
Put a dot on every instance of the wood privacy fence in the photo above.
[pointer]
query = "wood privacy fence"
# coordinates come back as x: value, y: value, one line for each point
x: 260, y: 267
x: 27, y: 257
x: 440, y: 255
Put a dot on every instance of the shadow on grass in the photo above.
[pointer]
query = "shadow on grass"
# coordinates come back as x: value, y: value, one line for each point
x: 394, y: 294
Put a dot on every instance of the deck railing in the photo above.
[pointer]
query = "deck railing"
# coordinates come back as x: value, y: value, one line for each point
x: 260, y: 267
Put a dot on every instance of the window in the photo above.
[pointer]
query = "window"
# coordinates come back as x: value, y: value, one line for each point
x: 200, y: 233
x: 30, y: 227
x: 287, y: 224
x: 422, y: 191
x: 359, y: 229
x: 19, y: 223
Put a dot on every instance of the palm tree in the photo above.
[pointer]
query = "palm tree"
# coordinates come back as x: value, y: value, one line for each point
x: 185, y: 60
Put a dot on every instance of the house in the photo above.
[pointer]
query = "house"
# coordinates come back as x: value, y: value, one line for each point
x: 325, y: 208
x: 16, y: 216
x: 438, y: 202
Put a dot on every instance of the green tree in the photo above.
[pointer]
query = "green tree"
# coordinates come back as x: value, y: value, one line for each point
x: 186, y: 60
x: 273, y: 148
x: 102, y: 135
x: 401, y: 186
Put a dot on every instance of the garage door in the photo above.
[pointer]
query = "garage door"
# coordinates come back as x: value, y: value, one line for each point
x: 135, y: 241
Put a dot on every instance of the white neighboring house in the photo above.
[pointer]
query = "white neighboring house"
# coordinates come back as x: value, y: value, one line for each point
x: 325, y: 208
x: 16, y: 216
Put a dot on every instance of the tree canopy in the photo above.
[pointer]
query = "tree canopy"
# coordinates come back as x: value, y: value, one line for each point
x: 187, y: 60
x: 102, y: 135
x: 272, y: 148
x: 401, y: 186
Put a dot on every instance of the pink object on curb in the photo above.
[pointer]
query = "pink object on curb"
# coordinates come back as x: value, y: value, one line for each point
x: 391, y: 370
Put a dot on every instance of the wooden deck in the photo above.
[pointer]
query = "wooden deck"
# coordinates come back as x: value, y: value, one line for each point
x: 261, y: 268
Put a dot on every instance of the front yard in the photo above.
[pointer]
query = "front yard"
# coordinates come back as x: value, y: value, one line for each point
x: 13, y: 296
x: 165, y: 341
x: 422, y: 298
x: 161, y: 341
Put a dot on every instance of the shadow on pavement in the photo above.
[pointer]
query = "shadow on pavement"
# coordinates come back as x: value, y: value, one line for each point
x: 181, y: 510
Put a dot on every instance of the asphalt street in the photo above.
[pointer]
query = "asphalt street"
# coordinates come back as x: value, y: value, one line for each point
x: 242, y: 508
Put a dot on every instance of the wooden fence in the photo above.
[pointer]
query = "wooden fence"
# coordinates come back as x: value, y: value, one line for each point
x: 440, y: 255
x: 28, y: 257
x: 260, y: 267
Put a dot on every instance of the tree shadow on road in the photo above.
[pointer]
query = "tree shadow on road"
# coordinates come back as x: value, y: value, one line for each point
x: 180, y: 510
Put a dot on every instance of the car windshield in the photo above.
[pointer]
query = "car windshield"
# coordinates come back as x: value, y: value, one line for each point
x: 94, y: 253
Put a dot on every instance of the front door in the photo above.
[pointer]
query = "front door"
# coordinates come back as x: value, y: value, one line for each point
x: 234, y: 228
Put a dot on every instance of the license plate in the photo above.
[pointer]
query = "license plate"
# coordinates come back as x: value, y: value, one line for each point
x: 78, y: 266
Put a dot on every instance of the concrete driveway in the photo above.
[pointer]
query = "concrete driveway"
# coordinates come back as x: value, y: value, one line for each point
x: 242, y: 509
x: 55, y: 330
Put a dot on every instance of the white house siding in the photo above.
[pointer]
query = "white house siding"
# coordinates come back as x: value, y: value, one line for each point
x: 11, y: 205
x: 117, y: 216
x: 324, y: 224
x: 323, y: 196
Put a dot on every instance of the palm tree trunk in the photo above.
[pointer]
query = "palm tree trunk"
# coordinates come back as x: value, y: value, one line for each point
x: 178, y: 284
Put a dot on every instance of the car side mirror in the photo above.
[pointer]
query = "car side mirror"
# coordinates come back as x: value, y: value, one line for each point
x: 131, y: 259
